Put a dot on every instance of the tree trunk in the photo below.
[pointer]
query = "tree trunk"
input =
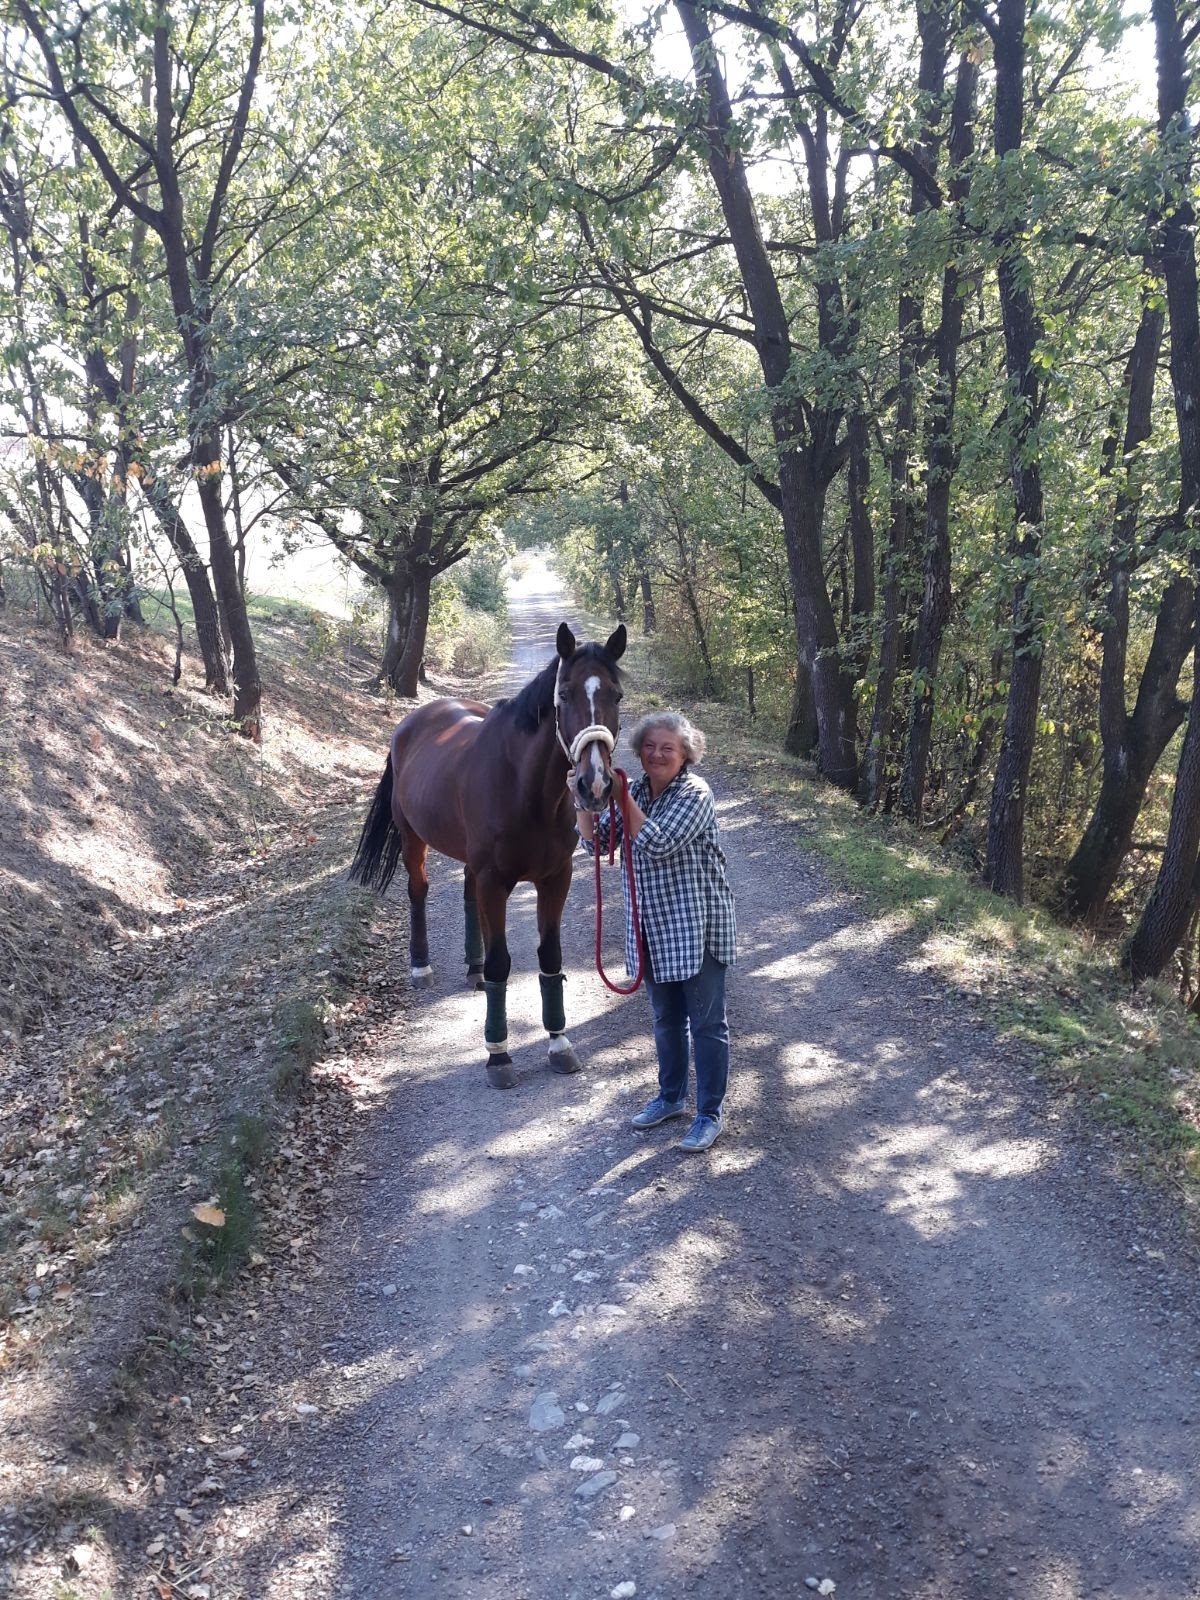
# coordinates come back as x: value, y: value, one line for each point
x: 940, y: 461
x: 399, y: 593
x: 802, y: 734
x: 247, y: 688
x: 192, y: 303
x: 406, y: 676
x: 1169, y: 908
x: 1132, y: 742
x: 109, y: 602
x: 1089, y: 876
x: 1130, y: 760
x: 195, y: 575
x: 1167, y: 912
x: 649, y: 616
x: 875, y: 757
x: 90, y: 602
x: 1004, y: 869
x: 618, y: 592
x: 931, y: 82
x: 862, y: 545
x: 708, y: 687
x: 803, y: 437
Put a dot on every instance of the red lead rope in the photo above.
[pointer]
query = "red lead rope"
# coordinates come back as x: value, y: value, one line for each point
x: 627, y: 865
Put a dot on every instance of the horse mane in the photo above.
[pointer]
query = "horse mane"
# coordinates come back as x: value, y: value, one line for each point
x: 536, y: 699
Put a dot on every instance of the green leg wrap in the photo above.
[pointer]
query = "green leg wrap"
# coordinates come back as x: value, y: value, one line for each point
x: 474, y: 945
x: 495, y: 1029
x: 554, y: 1013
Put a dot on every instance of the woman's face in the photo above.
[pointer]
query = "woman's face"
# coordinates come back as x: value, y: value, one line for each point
x: 662, y: 756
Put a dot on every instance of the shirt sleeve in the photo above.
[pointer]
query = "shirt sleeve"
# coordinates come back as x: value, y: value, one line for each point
x: 600, y: 832
x: 692, y: 814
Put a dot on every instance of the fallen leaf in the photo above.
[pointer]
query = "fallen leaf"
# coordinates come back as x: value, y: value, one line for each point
x: 81, y: 1557
x: 213, y: 1216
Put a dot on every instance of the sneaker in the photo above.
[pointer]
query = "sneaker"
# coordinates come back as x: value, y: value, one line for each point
x: 658, y: 1110
x: 703, y: 1132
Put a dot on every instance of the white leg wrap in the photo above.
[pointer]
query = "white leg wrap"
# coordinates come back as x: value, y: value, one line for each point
x: 496, y: 1048
x: 422, y: 972
x: 559, y: 1044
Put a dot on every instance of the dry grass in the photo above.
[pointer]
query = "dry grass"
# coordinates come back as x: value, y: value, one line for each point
x: 179, y: 945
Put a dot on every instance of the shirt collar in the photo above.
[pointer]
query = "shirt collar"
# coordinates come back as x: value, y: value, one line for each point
x: 643, y: 783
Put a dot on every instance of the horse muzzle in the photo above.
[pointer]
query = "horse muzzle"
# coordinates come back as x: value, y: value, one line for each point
x: 594, y: 779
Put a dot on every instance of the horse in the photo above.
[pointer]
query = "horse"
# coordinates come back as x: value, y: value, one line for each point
x: 487, y: 786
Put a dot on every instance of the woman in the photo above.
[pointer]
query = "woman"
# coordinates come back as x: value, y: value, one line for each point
x: 685, y: 907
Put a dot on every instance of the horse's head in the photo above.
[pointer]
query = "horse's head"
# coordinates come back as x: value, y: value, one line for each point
x: 587, y: 694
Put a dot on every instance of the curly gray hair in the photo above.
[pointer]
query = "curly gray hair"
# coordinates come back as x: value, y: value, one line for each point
x: 690, y: 737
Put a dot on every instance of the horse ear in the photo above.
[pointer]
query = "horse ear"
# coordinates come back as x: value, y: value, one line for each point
x: 617, y: 642
x: 566, y: 642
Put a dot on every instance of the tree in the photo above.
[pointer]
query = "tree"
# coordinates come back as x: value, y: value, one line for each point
x: 940, y: 452
x: 452, y: 381
x: 932, y: 27
x: 1132, y: 740
x: 1004, y: 869
x: 195, y: 159
x: 1176, y: 891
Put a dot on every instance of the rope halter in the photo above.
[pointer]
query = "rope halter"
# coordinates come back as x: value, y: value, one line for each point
x: 597, y: 733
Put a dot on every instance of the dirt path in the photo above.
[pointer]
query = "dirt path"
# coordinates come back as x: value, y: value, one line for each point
x: 899, y: 1332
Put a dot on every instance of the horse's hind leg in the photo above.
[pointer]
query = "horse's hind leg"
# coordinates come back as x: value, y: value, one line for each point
x: 415, y: 852
x: 474, y: 932
x: 551, y: 897
x: 497, y: 964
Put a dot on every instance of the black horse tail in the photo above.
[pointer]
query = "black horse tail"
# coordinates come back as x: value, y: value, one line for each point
x: 380, y: 843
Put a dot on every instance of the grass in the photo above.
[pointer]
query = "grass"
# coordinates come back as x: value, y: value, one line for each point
x: 301, y: 1029
x: 1130, y: 1058
x: 260, y: 608
x: 214, y: 1255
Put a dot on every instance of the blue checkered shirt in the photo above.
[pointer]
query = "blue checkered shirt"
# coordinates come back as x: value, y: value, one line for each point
x: 685, y: 904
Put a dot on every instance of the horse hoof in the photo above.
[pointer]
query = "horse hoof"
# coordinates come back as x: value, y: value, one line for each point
x: 565, y: 1061
x: 501, y: 1073
x: 422, y: 977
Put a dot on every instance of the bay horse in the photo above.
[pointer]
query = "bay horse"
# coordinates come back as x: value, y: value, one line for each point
x: 488, y: 787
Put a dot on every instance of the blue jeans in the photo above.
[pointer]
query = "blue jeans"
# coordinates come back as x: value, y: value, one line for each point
x: 696, y: 1005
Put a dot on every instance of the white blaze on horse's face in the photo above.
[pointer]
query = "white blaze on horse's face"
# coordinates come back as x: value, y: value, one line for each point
x: 591, y: 687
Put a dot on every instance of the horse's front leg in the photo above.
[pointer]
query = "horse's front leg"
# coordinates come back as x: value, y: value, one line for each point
x: 551, y: 897
x: 493, y: 905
